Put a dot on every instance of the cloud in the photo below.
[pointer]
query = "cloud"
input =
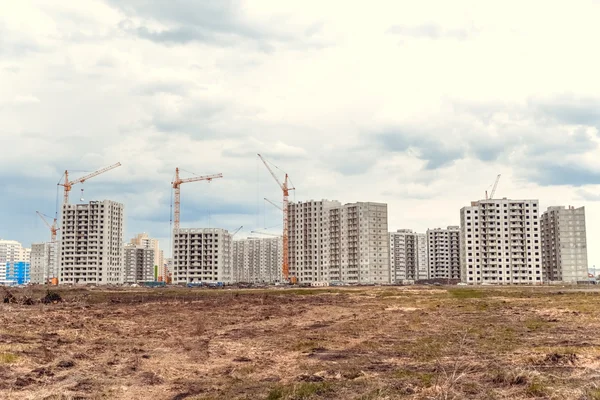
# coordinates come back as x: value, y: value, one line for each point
x: 26, y: 99
x: 251, y: 147
x: 166, y: 87
x: 570, y: 109
x: 429, y: 31
x: 436, y: 153
x: 586, y: 195
x: 220, y: 23
x: 557, y: 174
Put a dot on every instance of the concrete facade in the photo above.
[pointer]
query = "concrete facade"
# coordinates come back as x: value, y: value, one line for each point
x: 443, y: 249
x: 44, y: 262
x: 258, y: 260
x: 307, y: 228
x: 334, y: 242
x: 91, y: 250
x: 202, y: 255
x: 138, y: 264
x: 142, y: 239
x: 356, y: 248
x: 500, y: 242
x: 12, y: 252
x: 564, y: 245
x: 408, y: 255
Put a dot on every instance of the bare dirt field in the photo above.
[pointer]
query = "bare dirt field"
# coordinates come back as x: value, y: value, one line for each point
x: 355, y: 343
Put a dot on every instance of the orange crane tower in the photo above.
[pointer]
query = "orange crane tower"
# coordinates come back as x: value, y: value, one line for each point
x: 285, y: 188
x: 177, y: 186
x: 69, y: 184
x: 53, y: 228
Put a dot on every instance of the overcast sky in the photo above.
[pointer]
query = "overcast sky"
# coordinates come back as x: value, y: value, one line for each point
x: 416, y: 104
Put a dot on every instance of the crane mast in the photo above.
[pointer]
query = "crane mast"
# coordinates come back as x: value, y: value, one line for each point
x: 69, y: 184
x: 53, y: 228
x: 494, y: 188
x: 177, y: 188
x: 286, y: 192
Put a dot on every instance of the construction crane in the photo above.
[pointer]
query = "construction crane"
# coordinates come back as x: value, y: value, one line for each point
x: 53, y: 228
x: 493, y: 192
x: 177, y: 186
x: 237, y: 230
x: 273, y: 204
x: 285, y: 188
x: 266, y: 233
x: 69, y: 184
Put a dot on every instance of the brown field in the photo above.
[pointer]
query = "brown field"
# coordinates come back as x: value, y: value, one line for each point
x: 359, y: 343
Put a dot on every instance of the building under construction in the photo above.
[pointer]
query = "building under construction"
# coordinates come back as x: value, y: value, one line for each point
x: 202, y: 256
x: 258, y: 260
x: 91, y: 249
x: 334, y: 242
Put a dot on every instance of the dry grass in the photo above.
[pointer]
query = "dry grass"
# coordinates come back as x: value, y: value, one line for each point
x: 342, y: 343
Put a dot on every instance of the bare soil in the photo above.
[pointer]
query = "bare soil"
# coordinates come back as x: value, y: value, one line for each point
x: 347, y: 343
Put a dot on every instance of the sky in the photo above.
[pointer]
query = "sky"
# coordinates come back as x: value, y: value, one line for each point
x: 416, y: 104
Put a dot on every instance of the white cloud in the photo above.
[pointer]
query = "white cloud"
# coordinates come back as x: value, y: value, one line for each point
x: 25, y: 99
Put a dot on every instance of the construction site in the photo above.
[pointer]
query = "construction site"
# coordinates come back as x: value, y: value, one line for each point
x: 345, y: 343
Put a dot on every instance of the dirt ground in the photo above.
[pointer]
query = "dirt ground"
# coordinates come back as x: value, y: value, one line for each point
x: 355, y: 343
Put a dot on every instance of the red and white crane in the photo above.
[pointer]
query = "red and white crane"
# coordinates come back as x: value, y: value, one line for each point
x: 285, y: 188
x: 177, y: 187
x: 69, y: 184
x: 53, y: 228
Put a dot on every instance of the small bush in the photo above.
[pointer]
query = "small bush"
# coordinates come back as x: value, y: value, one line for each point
x: 51, y: 297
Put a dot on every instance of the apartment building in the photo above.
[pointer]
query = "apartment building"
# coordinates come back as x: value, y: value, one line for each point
x: 142, y: 239
x: 308, y: 236
x: 91, y: 249
x: 408, y: 255
x: 357, y: 242
x: 202, y: 255
x: 564, y: 245
x: 443, y: 249
x: 138, y: 264
x: 334, y: 242
x: 11, y: 250
x: 14, y: 262
x: 44, y: 262
x: 258, y: 260
x: 500, y: 242
x: 167, y: 270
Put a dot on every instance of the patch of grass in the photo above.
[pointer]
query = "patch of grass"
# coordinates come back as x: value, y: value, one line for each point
x: 300, y: 391
x: 304, y: 345
x: 423, y: 379
x: 536, y: 389
x: 535, y: 324
x: 375, y: 394
x: 277, y: 393
x: 8, y: 358
x: 593, y: 394
x: 466, y: 293
x: 428, y: 348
